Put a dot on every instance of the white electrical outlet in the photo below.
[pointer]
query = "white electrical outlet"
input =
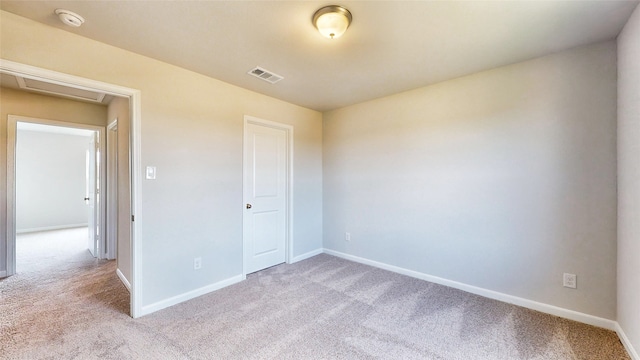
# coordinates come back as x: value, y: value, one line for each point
x: 197, y: 263
x: 347, y: 236
x: 569, y: 280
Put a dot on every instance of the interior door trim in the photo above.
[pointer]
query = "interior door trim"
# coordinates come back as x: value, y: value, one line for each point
x: 111, y: 185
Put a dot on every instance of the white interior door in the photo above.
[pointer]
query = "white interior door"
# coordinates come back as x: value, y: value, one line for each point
x: 265, y: 193
x: 91, y: 196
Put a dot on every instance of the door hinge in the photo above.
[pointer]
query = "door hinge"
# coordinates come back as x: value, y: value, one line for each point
x: 133, y: 218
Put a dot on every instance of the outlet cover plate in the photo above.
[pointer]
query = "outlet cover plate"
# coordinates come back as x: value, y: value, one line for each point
x: 569, y: 281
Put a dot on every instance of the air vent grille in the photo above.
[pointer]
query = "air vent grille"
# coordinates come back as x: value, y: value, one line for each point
x: 55, y: 89
x: 265, y: 75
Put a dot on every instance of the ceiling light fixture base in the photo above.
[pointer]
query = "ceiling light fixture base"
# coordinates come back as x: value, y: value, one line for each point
x: 332, y: 21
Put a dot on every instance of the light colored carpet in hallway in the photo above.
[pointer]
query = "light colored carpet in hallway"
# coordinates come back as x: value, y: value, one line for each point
x: 320, y: 308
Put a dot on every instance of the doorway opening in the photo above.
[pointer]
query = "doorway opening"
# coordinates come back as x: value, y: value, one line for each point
x: 132, y: 100
x: 58, y: 179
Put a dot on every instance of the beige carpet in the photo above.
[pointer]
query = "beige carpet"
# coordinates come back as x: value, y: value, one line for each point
x: 70, y: 306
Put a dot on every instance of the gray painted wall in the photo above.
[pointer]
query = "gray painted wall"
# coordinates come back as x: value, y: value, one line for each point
x: 502, y: 180
x: 50, y: 180
x: 629, y: 179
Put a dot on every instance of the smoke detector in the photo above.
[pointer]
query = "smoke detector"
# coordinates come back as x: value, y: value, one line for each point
x: 69, y: 17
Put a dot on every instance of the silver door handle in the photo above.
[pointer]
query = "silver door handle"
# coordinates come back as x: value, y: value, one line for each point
x: 248, y: 206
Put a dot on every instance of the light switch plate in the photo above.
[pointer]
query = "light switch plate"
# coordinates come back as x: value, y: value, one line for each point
x: 151, y: 173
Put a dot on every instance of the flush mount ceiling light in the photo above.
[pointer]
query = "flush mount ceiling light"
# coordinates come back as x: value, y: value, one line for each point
x: 69, y: 17
x: 332, y: 21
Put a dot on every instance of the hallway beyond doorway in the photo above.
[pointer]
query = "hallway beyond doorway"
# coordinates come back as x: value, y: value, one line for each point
x: 57, y: 282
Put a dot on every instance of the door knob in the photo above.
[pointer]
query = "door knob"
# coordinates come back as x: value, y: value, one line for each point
x: 248, y: 206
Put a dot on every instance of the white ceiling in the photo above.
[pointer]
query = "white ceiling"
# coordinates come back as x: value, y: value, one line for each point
x: 391, y: 46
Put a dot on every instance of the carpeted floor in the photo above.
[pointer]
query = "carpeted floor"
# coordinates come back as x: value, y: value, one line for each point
x: 71, y: 306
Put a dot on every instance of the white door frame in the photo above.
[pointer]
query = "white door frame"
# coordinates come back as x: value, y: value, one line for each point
x: 12, y: 135
x: 111, y: 166
x: 289, y: 192
x: 93, y: 181
x: 134, y: 97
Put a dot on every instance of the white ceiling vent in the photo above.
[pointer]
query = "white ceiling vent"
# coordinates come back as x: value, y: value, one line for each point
x: 265, y: 75
x: 61, y: 90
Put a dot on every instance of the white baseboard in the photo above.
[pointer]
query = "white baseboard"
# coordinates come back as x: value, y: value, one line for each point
x: 307, y: 255
x: 148, y: 309
x: 3, y: 274
x: 627, y: 343
x: 49, y: 228
x: 124, y: 280
x: 534, y: 305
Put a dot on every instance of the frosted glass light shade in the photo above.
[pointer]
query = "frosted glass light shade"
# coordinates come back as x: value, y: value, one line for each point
x: 332, y: 21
